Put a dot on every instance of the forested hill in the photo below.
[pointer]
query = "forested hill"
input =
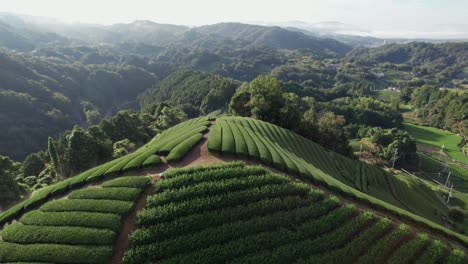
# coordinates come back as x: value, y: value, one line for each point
x: 63, y: 75
x: 195, y: 92
x: 26, y: 34
x: 275, y: 37
x: 447, y: 58
x: 42, y: 97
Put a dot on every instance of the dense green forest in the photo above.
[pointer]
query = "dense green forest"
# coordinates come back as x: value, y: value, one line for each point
x: 62, y: 87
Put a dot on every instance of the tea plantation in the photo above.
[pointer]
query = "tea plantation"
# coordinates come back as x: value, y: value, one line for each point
x: 229, y: 212
x: 174, y: 142
x: 246, y: 214
x: 274, y: 146
x: 78, y: 229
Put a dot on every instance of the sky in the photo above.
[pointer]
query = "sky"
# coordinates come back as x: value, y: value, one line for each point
x: 391, y: 17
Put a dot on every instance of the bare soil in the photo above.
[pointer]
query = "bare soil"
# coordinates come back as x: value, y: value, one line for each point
x: 128, y: 225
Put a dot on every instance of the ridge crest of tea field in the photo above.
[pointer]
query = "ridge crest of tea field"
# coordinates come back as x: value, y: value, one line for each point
x: 257, y: 204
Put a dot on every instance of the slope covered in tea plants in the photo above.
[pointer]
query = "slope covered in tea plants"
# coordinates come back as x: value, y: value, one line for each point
x: 285, y: 150
x: 81, y: 228
x: 173, y: 143
x: 234, y: 213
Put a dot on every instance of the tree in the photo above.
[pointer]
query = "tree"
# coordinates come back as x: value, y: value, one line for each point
x: 32, y: 165
x: 52, y: 150
x: 395, y: 102
x: 332, y: 133
x: 309, y: 125
x: 240, y: 101
x: 171, y: 116
x: 82, y: 150
x: 266, y: 98
x: 9, y: 188
x: 290, y: 113
x: 262, y: 99
x: 122, y: 148
x: 391, y: 141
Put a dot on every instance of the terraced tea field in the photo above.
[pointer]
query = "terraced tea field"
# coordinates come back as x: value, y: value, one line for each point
x: 81, y: 228
x: 246, y: 214
x: 174, y: 142
x: 230, y: 212
x: 285, y: 150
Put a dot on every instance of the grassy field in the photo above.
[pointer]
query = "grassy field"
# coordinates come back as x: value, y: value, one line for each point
x: 246, y: 214
x: 437, y: 137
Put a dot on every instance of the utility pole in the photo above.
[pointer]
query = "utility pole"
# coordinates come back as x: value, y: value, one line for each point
x: 450, y: 194
x: 448, y: 178
x: 360, y: 151
x: 394, y: 158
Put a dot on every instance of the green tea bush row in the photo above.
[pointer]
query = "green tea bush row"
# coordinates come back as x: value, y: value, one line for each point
x: 138, y: 161
x: 241, y: 227
x: 457, y: 256
x: 217, y: 187
x: 152, y: 161
x: 185, y: 146
x: 240, y: 143
x: 12, y: 213
x: 196, y: 222
x: 208, y: 176
x: 82, y: 219
x: 30, y: 234
x: 228, y: 144
x: 312, y: 238
x: 109, y: 193
x: 53, y: 253
x: 177, y: 172
x: 407, y: 251
x: 174, y: 210
x: 88, y: 205
x: 129, y: 182
x: 356, y: 247
x: 263, y: 242
x: 252, y: 147
x: 215, y: 138
x: 228, y: 232
x: 385, y: 246
x: 433, y: 254
x: 171, y: 145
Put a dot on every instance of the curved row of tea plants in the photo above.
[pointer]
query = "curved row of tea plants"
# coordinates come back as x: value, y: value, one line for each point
x: 172, y: 142
x: 288, y: 151
x: 79, y: 229
x: 246, y: 214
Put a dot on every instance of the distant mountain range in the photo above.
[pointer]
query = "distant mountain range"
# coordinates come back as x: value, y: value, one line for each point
x: 26, y: 33
x: 359, y: 36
